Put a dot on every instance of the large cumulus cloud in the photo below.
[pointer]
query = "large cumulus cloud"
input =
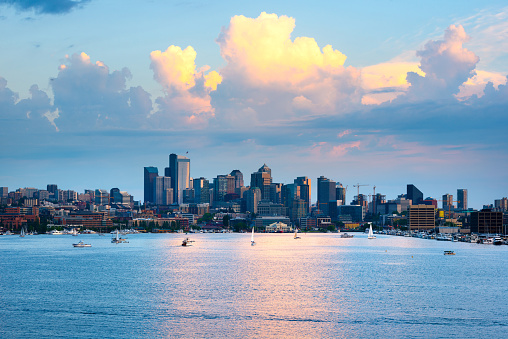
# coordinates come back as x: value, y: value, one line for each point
x: 269, y: 76
x: 187, y: 89
x: 446, y: 64
x: 89, y: 95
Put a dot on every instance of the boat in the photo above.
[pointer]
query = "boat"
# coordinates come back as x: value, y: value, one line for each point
x: 252, y: 242
x: 371, y: 234
x: 345, y: 235
x: 296, y: 234
x: 186, y: 242
x: 81, y: 244
x: 449, y: 253
x: 497, y: 241
x: 117, y: 240
x: 22, y: 234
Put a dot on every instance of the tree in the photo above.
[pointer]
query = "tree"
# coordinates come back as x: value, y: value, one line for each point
x: 225, y: 220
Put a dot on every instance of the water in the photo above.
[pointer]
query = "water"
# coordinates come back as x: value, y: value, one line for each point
x: 320, y: 286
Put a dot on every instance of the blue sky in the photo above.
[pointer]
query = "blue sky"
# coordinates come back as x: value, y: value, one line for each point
x: 384, y: 94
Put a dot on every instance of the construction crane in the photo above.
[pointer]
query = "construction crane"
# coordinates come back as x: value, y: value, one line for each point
x: 449, y: 203
x: 358, y: 189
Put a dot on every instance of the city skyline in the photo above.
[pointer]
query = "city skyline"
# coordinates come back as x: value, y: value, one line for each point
x: 394, y: 95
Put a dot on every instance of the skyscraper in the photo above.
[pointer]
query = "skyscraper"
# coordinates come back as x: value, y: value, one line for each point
x: 262, y: 179
x: 341, y: 193
x: 462, y: 199
x: 149, y: 174
x: 414, y: 194
x: 201, y: 191
x: 448, y: 202
x: 179, y: 168
x: 161, y: 185
x: 238, y: 178
x: 326, y: 192
x: 305, y: 189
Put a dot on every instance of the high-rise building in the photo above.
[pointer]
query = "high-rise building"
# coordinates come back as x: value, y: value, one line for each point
x: 179, y: 168
x: 462, y: 199
x: 262, y: 179
x: 276, y: 193
x: 448, y: 202
x: 201, y: 191
x: 238, y: 178
x: 414, y: 194
x: 326, y: 192
x: 223, y: 185
x: 341, y: 193
x: 101, y: 197
x: 4, y: 192
x: 52, y: 188
x: 160, y: 187
x: 305, y: 189
x: 150, y: 174
x: 252, y: 199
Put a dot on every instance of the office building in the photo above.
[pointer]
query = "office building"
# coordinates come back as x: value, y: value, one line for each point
x: 262, y: 179
x: 422, y: 217
x: 201, y: 191
x: 326, y: 192
x: 414, y: 194
x: 4, y: 192
x: 462, y: 199
x: 304, y: 185
x: 487, y: 221
x: 179, y: 168
x: 448, y: 202
x: 340, y: 193
x: 161, y: 185
x: 150, y: 173
x: 238, y: 178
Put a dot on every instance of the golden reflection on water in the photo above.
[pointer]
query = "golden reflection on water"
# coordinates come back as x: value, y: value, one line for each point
x: 280, y: 284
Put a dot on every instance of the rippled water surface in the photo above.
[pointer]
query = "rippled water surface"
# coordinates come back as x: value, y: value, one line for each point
x: 319, y: 286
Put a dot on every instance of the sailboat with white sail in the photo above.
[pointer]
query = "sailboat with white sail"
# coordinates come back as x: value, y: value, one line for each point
x: 252, y: 242
x: 371, y: 234
x: 296, y: 234
x: 22, y: 234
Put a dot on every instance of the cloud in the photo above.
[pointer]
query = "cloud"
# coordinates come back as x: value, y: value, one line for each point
x: 89, y: 95
x: 446, y: 64
x: 187, y: 89
x: 46, y: 6
x: 277, y: 77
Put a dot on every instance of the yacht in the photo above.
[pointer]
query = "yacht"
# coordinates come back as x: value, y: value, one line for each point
x: 497, y: 241
x: 81, y: 244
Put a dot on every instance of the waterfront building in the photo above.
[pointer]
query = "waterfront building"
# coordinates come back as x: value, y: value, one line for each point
x: 487, y: 221
x: 262, y: 221
x: 150, y: 173
x: 356, y: 212
x: 422, y: 217
x: 179, y: 168
x: 414, y: 194
x: 262, y: 179
x: 278, y: 227
x: 462, y: 199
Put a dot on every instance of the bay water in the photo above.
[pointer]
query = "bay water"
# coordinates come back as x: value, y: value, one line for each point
x: 318, y: 286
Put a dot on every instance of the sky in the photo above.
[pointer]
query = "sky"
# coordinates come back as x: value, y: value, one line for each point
x: 383, y: 93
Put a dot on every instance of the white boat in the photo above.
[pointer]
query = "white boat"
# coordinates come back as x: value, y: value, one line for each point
x: 22, y: 234
x: 497, y: 241
x: 81, y: 244
x: 371, y: 234
x: 117, y: 240
x: 296, y: 234
x: 252, y: 242
x: 55, y: 232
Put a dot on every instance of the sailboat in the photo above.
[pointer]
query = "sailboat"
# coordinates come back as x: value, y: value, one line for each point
x: 22, y: 234
x: 371, y: 234
x: 252, y: 242
x: 296, y: 234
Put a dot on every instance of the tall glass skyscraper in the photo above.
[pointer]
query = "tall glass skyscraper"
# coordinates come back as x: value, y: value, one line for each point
x: 462, y: 199
x: 179, y: 168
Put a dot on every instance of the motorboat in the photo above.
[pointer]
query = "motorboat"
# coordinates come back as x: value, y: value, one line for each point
x: 186, y: 242
x: 449, y: 253
x: 81, y: 244
x: 497, y: 241
x: 345, y: 235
